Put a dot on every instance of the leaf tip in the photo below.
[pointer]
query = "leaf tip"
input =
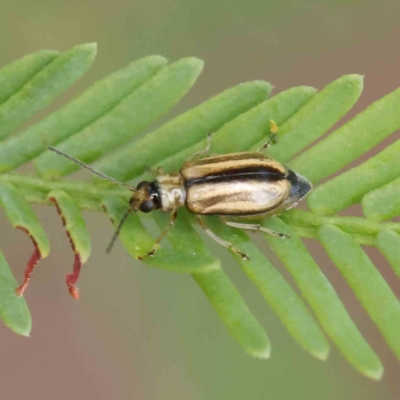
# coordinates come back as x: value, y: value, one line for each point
x: 354, y: 80
x: 375, y: 374
x: 263, y: 354
x: 322, y: 354
x: 89, y: 48
x: 194, y: 63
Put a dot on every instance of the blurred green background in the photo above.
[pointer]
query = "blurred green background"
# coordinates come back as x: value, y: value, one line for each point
x: 139, y: 333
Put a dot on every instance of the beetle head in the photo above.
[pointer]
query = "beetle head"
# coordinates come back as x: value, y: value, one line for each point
x: 145, y: 197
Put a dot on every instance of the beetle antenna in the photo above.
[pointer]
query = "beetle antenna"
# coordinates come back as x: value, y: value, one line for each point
x: 93, y: 171
x: 116, y: 234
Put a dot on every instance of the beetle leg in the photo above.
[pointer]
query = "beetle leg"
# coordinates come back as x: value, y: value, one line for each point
x: 206, y: 149
x: 219, y: 240
x: 154, y: 172
x: 172, y: 219
x: 256, y: 227
x: 272, y: 136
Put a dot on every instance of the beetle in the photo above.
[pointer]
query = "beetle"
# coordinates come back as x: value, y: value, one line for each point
x: 240, y: 185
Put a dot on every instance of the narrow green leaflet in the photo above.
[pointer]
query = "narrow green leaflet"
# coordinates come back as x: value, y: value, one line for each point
x: 317, y: 116
x: 323, y: 300
x: 138, y: 242
x: 85, y: 109
x: 186, y: 130
x: 277, y: 292
x: 367, y: 283
x: 21, y: 216
x: 330, y: 197
x: 220, y: 291
x: 45, y: 86
x: 13, y: 76
x: 388, y: 243
x: 351, y: 140
x: 13, y: 309
x: 234, y: 313
x: 253, y: 126
x: 127, y: 119
x: 382, y: 203
x: 77, y: 233
x: 248, y: 128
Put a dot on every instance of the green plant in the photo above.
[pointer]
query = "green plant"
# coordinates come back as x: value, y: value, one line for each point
x: 98, y: 127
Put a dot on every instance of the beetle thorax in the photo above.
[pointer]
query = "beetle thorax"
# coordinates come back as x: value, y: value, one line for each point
x: 171, y: 191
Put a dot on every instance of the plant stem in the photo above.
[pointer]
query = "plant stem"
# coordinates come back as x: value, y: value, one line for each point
x: 86, y: 195
x: 363, y: 231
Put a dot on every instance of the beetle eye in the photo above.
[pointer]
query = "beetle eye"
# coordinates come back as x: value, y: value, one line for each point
x: 147, y: 206
x: 142, y: 184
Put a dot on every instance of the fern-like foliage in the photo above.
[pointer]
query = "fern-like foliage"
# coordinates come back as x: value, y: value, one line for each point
x: 99, y: 127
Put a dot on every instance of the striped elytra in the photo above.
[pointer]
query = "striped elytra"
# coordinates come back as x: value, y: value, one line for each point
x: 235, y: 184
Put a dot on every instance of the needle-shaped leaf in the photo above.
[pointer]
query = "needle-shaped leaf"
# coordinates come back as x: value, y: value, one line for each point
x: 383, y: 203
x: 367, y: 283
x: 249, y: 129
x: 13, y: 309
x: 253, y: 126
x: 82, y: 111
x: 21, y: 216
x: 186, y: 129
x: 45, y: 86
x: 138, y: 242
x: 220, y: 291
x: 13, y: 76
x: 388, y: 243
x: 127, y: 119
x: 317, y: 116
x: 329, y: 197
x: 77, y: 233
x: 277, y: 292
x: 351, y: 140
x: 323, y: 300
x: 234, y: 313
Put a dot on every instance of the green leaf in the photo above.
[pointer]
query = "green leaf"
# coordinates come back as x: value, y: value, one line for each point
x: 317, y: 116
x: 388, y: 243
x: 276, y: 291
x: 138, y: 242
x: 382, y: 203
x: 374, y: 173
x: 77, y: 233
x: 248, y: 129
x: 98, y: 126
x: 367, y: 283
x: 127, y: 119
x: 67, y: 121
x: 45, y: 86
x: 21, y: 215
x: 73, y: 222
x: 323, y: 300
x: 234, y: 313
x: 351, y: 140
x: 13, y: 76
x: 218, y: 288
x: 187, y: 129
x: 13, y: 309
